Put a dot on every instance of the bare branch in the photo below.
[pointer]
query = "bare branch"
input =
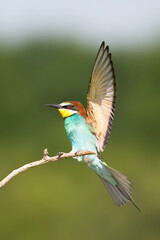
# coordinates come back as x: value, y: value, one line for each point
x: 44, y: 160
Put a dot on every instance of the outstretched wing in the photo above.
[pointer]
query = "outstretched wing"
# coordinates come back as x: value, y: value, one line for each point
x: 101, y: 97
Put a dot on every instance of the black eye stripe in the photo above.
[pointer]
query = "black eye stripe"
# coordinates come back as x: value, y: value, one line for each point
x: 72, y: 107
x: 68, y: 106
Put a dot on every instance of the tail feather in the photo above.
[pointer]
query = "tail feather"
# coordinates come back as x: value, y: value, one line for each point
x: 121, y: 192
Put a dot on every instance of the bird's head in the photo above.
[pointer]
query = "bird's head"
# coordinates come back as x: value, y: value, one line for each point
x: 69, y: 108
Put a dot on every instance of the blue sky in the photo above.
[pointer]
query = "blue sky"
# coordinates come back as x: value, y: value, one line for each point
x: 117, y: 21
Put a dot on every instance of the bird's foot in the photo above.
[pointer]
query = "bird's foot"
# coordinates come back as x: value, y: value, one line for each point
x: 60, y: 154
x: 76, y: 153
x: 79, y: 158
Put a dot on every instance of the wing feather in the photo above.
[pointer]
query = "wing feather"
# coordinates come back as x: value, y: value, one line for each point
x: 101, y: 97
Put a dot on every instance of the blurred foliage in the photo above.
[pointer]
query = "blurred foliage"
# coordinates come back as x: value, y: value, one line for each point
x: 65, y: 200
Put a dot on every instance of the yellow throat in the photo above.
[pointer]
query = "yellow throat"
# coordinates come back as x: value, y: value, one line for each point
x: 66, y: 112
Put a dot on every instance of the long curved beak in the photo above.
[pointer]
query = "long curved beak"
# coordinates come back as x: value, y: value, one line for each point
x: 53, y: 105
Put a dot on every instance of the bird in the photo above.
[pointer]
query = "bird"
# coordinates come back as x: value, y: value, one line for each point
x: 89, y: 130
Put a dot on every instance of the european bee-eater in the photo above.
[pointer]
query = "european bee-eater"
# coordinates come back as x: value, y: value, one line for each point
x: 90, y: 129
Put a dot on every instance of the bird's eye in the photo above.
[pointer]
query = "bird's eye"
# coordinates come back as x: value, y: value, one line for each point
x: 69, y: 106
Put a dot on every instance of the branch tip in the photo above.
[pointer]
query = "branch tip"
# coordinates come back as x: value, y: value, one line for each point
x: 45, y: 154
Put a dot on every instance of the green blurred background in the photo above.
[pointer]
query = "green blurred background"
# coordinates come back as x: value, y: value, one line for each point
x: 65, y: 200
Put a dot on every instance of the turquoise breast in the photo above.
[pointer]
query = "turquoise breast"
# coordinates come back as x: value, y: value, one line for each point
x: 82, y: 138
x: 79, y: 133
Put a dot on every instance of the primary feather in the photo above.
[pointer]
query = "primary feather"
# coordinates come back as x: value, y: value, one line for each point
x: 101, y: 97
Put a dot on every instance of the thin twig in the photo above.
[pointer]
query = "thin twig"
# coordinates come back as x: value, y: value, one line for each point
x: 44, y: 160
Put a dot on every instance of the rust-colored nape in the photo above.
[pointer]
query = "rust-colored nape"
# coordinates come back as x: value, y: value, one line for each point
x: 81, y: 109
